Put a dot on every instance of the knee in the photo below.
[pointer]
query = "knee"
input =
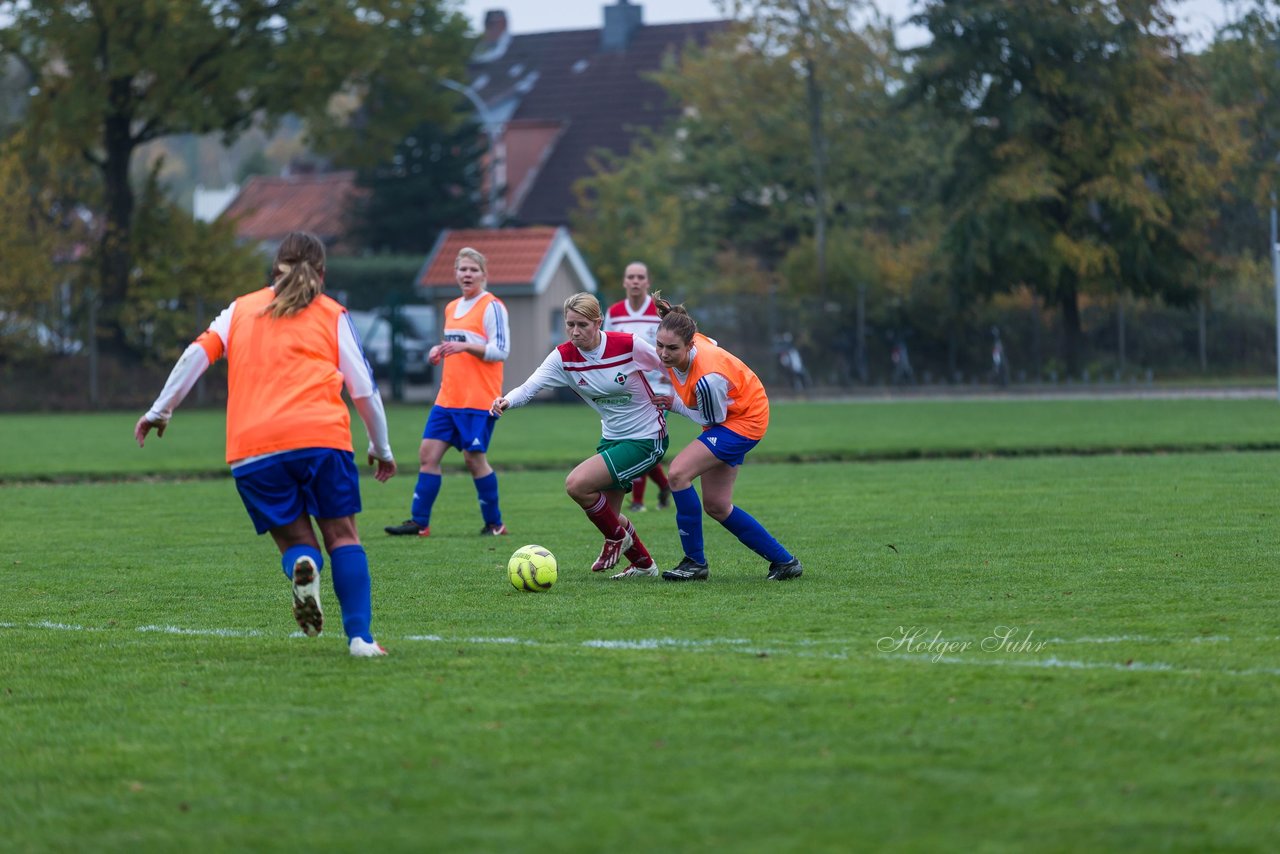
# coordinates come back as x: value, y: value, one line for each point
x: 718, y: 510
x: 576, y: 488
x: 477, y: 464
x: 678, y: 480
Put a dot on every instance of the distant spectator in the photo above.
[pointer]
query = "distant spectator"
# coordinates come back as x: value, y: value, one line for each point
x: 638, y: 315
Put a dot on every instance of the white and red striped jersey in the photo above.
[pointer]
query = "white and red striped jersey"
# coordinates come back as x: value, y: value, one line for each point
x: 610, y: 379
x: 643, y: 323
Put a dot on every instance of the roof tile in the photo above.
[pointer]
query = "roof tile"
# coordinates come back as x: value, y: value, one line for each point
x: 512, y: 255
x: 270, y: 207
x: 599, y: 98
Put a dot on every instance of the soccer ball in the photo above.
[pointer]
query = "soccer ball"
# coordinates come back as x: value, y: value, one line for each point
x: 532, y: 569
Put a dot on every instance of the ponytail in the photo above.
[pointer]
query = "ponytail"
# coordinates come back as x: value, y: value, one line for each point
x: 297, y: 274
x: 675, y: 319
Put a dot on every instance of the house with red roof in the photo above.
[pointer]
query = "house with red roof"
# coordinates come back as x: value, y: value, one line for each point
x: 532, y: 270
x: 559, y: 97
x: 269, y: 207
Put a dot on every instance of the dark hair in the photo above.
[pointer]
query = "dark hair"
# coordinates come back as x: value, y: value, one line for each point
x: 675, y: 318
x: 297, y: 273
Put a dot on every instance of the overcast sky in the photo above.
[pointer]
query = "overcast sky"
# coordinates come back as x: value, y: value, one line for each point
x: 535, y: 16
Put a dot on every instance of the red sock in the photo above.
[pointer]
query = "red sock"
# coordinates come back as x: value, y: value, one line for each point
x: 659, y: 477
x: 637, y: 490
x: 638, y: 554
x: 606, y: 519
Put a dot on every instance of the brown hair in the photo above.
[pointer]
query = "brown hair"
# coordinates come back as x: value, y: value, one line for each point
x: 297, y: 274
x: 675, y: 318
x: 584, y: 304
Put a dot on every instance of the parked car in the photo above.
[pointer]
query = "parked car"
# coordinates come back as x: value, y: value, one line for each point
x: 375, y: 334
x: 420, y: 322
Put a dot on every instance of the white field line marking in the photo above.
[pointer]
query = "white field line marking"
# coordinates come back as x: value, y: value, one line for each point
x: 663, y: 643
x: 742, y: 646
x: 1053, y: 662
x: 477, y: 640
x: 1144, y: 639
x: 221, y: 633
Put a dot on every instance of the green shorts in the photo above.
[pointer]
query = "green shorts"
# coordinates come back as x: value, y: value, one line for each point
x: 627, y: 459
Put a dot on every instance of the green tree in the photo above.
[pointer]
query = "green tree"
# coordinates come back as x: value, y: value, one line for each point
x: 111, y: 75
x: 1089, y: 154
x: 42, y: 229
x: 185, y: 272
x: 790, y: 137
x: 431, y: 182
x: 627, y: 212
x: 1245, y: 80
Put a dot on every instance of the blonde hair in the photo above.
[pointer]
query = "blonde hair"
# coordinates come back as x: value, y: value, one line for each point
x: 584, y: 304
x: 675, y: 318
x: 472, y: 255
x: 297, y: 274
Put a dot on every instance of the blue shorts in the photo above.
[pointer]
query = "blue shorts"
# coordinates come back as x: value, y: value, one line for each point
x: 727, y: 446
x: 320, y: 481
x: 465, y: 429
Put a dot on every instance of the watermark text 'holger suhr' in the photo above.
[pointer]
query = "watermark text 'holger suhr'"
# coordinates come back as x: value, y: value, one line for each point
x: 917, y: 640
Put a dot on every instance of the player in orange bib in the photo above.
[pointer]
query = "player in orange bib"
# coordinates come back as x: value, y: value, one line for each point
x: 290, y: 352
x: 477, y: 340
x: 715, y: 389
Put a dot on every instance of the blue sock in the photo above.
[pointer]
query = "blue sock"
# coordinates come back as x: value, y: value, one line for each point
x: 689, y: 523
x: 487, y: 492
x: 753, y: 535
x: 424, y: 498
x: 351, y: 586
x: 291, y: 555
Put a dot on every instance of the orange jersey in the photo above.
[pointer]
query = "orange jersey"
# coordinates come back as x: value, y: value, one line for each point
x: 284, y: 389
x: 467, y: 381
x: 747, y: 406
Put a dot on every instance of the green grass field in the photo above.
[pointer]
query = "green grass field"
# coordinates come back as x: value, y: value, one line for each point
x: 993, y: 647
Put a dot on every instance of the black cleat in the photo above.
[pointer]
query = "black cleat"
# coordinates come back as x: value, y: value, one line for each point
x: 497, y: 530
x: 407, y: 528
x: 687, y: 570
x: 306, y: 597
x: 664, y: 498
x: 782, y: 570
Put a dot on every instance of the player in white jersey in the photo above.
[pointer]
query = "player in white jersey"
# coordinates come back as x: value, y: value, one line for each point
x: 638, y: 315
x: 607, y: 370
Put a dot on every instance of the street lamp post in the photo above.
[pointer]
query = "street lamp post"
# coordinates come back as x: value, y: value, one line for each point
x: 497, y: 158
x: 1275, y: 275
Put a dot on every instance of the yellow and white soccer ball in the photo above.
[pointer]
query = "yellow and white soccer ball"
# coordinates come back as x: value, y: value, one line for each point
x: 532, y: 569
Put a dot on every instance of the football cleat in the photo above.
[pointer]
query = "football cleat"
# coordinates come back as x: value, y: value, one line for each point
x: 612, y: 549
x: 408, y: 528
x: 664, y: 498
x: 306, y: 597
x: 782, y: 570
x: 634, y: 571
x: 361, y: 648
x: 636, y: 507
x: 498, y: 530
x: 687, y: 570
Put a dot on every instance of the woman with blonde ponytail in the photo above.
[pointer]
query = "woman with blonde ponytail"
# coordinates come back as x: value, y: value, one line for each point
x: 290, y: 352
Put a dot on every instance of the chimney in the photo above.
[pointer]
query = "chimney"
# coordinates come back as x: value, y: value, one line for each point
x: 495, y: 27
x: 621, y: 21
